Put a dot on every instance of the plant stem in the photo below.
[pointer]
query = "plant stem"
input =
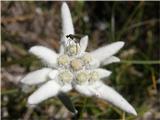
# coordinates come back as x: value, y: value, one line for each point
x: 9, y: 91
x: 140, y: 62
x: 123, y: 116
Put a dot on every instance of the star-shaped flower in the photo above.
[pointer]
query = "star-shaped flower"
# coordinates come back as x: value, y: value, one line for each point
x: 75, y: 69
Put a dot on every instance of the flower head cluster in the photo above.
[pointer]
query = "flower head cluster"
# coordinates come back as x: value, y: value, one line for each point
x: 73, y: 68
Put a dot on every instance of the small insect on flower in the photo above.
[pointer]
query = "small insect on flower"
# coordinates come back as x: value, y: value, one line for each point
x: 73, y: 37
x: 74, y: 49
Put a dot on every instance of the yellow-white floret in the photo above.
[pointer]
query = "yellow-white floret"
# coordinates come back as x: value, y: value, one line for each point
x: 76, y: 64
x: 82, y: 77
x: 73, y: 49
x: 65, y: 76
x: 63, y: 60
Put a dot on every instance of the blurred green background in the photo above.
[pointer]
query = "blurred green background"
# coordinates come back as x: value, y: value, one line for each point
x: 136, y: 77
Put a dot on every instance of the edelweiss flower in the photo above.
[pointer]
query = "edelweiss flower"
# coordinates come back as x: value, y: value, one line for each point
x: 75, y: 69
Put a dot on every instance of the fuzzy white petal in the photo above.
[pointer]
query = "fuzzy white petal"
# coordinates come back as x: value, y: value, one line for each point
x: 53, y: 74
x: 61, y: 49
x: 67, y: 25
x: 49, y: 89
x: 112, y: 59
x: 105, y: 52
x: 84, y: 43
x: 47, y: 55
x: 36, y: 77
x: 66, y: 88
x: 95, y: 63
x: 110, y: 95
x: 103, y: 73
x: 83, y: 89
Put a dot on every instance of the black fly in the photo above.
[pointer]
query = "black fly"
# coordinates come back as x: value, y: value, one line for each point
x: 75, y: 38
